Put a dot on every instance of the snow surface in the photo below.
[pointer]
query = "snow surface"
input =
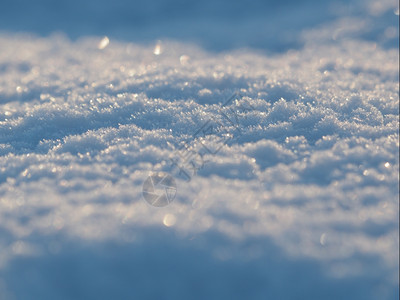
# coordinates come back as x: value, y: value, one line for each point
x: 301, y: 202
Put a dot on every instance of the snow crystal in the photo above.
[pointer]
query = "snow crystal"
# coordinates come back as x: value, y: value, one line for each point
x: 294, y: 193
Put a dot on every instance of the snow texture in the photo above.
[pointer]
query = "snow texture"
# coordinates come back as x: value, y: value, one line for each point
x: 300, y: 202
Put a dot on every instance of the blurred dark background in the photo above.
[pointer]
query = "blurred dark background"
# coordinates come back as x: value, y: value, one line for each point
x: 214, y: 24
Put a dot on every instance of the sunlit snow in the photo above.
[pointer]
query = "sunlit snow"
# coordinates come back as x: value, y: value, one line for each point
x: 297, y: 200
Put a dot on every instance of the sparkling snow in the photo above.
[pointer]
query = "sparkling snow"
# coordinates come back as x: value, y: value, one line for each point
x: 301, y: 202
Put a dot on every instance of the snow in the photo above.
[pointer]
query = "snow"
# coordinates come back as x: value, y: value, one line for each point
x: 294, y: 196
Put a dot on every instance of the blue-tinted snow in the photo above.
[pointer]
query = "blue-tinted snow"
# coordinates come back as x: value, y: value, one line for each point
x: 301, y: 204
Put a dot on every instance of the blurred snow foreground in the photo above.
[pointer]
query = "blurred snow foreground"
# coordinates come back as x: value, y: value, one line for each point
x: 297, y: 200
